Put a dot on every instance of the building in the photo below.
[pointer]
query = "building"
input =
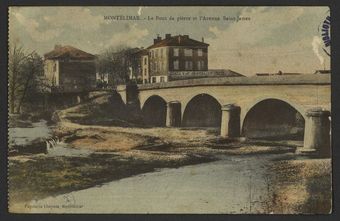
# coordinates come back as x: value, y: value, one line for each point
x: 173, y: 58
x: 68, y: 69
x: 144, y: 58
x: 176, y: 53
x: 138, y: 70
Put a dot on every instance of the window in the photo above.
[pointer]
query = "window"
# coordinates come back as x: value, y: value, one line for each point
x: 153, y: 79
x: 144, y: 71
x: 156, y: 53
x: 188, y: 52
x: 145, y: 61
x: 152, y: 54
x: 188, y: 65
x: 162, y: 79
x: 200, y: 65
x: 161, y: 52
x: 53, y: 81
x: 160, y: 66
x: 200, y: 52
x: 54, y: 67
x: 176, y: 52
x: 176, y: 65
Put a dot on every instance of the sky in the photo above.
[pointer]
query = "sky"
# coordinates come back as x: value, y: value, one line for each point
x: 268, y: 39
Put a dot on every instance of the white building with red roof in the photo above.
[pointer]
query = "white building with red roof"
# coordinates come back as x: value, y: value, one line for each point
x: 69, y: 69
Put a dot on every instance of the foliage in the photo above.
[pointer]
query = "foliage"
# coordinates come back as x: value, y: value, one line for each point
x: 116, y: 63
x: 25, y: 77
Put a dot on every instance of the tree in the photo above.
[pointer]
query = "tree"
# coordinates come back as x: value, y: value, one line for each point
x: 24, y: 75
x: 34, y: 82
x: 115, y: 62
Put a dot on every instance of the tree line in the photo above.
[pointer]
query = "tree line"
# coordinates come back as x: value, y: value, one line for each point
x: 27, y: 82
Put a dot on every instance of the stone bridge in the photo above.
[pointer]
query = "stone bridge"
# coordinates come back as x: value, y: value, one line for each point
x: 260, y: 106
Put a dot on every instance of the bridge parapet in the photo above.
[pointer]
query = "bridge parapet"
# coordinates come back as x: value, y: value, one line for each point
x: 305, y: 79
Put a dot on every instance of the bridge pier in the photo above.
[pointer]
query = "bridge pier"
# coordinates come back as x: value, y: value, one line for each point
x: 173, y: 114
x: 230, y: 121
x: 317, y: 132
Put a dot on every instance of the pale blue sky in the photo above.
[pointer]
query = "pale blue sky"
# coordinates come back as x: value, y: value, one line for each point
x: 275, y: 38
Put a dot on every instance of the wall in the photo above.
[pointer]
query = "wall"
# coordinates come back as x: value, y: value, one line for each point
x: 145, y: 69
x: 51, y: 72
x: 159, y: 65
x: 77, y: 75
x: 182, y: 58
x: 181, y: 75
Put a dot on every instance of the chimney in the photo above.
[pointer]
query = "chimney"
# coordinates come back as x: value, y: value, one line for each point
x: 202, y: 39
x: 158, y: 39
x: 167, y: 36
x: 57, y: 46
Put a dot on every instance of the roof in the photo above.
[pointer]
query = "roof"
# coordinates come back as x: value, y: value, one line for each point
x: 279, y: 73
x: 231, y: 73
x: 322, y: 72
x: 143, y: 52
x: 68, y: 52
x: 179, y: 40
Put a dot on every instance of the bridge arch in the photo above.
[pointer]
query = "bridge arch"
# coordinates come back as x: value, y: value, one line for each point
x: 273, y: 118
x: 154, y: 111
x: 202, y: 110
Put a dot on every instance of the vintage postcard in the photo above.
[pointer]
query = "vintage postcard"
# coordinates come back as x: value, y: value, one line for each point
x: 223, y: 110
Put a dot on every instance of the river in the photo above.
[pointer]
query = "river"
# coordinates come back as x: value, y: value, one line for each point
x: 232, y: 184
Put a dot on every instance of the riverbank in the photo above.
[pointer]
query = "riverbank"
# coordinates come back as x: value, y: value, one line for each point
x: 116, y: 153
x: 91, y: 155
x: 234, y: 184
x: 302, y: 186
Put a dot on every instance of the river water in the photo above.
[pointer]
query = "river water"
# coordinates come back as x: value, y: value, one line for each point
x: 25, y: 135
x: 233, y: 184
x: 40, y: 130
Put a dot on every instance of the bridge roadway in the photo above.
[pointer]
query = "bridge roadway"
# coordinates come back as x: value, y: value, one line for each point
x: 237, y: 97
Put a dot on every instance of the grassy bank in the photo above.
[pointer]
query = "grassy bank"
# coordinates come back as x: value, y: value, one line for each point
x: 36, y: 177
x: 302, y: 186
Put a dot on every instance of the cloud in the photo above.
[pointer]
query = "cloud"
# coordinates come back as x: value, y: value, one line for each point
x: 264, y: 21
x: 130, y: 37
x: 32, y: 28
x: 256, y: 45
x: 48, y: 27
x: 75, y: 17
x: 316, y: 44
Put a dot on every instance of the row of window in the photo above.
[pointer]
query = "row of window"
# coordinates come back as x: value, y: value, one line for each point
x: 189, y: 65
x: 157, y: 53
x: 188, y: 52
x: 157, y: 66
x: 154, y: 79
